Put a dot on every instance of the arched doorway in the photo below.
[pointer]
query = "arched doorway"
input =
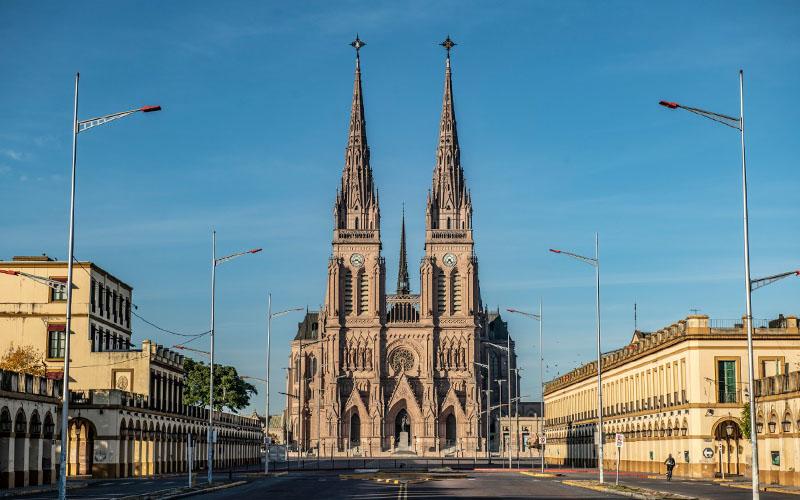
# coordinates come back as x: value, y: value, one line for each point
x: 20, y: 433
x: 81, y: 447
x: 48, y: 432
x: 450, y: 431
x: 728, y: 434
x: 355, y: 431
x: 402, y: 430
x: 5, y: 445
x: 34, y: 435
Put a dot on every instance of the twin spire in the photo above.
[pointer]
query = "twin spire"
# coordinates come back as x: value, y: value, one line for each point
x: 357, y: 201
x: 449, y: 204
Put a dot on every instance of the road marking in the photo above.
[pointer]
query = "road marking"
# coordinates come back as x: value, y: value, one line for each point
x: 402, y: 492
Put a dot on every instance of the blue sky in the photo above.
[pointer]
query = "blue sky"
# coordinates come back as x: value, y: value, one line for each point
x: 560, y: 131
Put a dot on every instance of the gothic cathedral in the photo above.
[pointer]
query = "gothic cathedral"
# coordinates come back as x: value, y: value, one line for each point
x: 376, y: 374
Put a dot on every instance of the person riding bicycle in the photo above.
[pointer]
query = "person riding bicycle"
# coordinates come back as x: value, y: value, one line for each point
x: 670, y: 463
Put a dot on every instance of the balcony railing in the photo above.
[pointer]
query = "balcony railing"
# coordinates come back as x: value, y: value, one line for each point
x: 402, y: 308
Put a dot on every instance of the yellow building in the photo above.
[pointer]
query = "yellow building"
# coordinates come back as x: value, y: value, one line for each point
x: 679, y: 391
x: 127, y: 416
x: 778, y: 427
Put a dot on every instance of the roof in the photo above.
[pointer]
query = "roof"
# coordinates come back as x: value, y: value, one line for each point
x: 308, y: 329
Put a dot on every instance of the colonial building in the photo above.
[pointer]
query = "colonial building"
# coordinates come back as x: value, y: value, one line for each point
x: 127, y: 415
x: 680, y: 391
x: 28, y: 415
x: 778, y: 427
x: 373, y: 373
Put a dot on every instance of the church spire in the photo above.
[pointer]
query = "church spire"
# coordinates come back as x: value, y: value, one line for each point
x: 357, y: 200
x: 403, y: 286
x: 449, y: 205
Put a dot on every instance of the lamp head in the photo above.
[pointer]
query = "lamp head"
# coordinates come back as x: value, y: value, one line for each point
x: 668, y: 104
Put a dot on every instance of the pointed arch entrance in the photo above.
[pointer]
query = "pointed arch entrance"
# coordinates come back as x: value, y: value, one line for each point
x: 402, y: 430
x: 355, y: 430
x: 450, y: 431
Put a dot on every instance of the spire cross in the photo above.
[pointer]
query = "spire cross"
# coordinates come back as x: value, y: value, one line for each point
x: 357, y: 44
x: 448, y: 44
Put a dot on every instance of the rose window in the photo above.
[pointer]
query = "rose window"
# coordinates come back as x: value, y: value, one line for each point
x: 402, y: 360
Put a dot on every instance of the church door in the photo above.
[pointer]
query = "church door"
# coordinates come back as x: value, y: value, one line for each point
x: 355, y: 431
x: 450, y: 431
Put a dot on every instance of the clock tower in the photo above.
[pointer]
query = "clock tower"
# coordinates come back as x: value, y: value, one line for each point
x: 356, y: 271
x: 449, y: 270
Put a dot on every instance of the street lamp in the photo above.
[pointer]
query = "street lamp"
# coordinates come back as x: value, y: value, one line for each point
x: 537, y: 317
x: 271, y: 315
x: 214, y: 263
x: 488, y: 392
x: 738, y: 124
x: 77, y: 127
x: 595, y: 262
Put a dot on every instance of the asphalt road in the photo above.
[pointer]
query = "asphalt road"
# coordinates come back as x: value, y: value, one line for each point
x: 309, y: 486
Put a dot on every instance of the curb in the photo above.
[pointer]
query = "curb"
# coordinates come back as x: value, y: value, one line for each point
x: 630, y: 494
x: 538, y: 474
x: 181, y: 492
x: 13, y: 493
x: 771, y: 489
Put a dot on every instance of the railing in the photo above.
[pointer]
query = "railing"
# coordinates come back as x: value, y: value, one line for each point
x: 402, y: 308
x: 778, y: 384
x: 357, y: 234
x: 736, y: 324
x: 445, y: 234
x: 29, y: 384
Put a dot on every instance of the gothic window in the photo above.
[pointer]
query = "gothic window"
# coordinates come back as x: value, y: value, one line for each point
x: 402, y: 360
x: 441, y: 295
x: 456, y: 287
x: 448, y: 223
x: 348, y: 292
x: 363, y: 293
x: 356, y: 222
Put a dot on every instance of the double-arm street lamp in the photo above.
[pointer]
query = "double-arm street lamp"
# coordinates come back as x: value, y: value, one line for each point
x: 537, y: 317
x: 738, y: 124
x: 595, y: 262
x: 271, y: 315
x: 215, y: 261
x: 77, y: 127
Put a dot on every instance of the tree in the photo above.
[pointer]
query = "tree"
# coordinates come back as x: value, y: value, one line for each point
x: 230, y: 390
x: 23, y: 359
x: 746, y: 420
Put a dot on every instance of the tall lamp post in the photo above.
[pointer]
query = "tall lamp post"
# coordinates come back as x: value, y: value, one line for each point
x: 488, y: 392
x: 537, y: 317
x: 214, y: 263
x: 271, y: 315
x: 77, y: 127
x: 738, y: 124
x: 595, y: 262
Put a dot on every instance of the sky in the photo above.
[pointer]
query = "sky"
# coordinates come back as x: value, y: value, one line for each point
x: 561, y: 137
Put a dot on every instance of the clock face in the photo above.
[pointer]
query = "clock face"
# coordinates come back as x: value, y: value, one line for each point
x: 357, y: 260
x: 449, y: 260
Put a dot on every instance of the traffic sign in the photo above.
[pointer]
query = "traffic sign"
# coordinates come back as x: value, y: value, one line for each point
x: 543, y: 438
x: 620, y: 440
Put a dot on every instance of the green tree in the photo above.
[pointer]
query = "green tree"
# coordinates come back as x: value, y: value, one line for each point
x: 746, y: 420
x: 230, y: 390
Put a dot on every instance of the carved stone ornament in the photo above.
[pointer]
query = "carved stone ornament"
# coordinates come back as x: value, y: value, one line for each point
x: 402, y: 360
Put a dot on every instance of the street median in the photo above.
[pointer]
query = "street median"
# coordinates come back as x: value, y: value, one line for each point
x: 627, y: 491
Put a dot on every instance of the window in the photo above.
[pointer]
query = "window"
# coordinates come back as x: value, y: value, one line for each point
x: 348, y: 292
x: 100, y: 297
x: 456, y: 287
x: 441, y: 296
x: 92, y: 292
x: 108, y: 340
x: 726, y: 380
x: 94, y: 338
x: 128, y: 313
x: 363, y: 293
x: 56, y: 339
x: 114, y: 305
x: 58, y: 294
x: 108, y: 303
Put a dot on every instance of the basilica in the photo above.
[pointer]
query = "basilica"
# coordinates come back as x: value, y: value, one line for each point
x: 377, y: 374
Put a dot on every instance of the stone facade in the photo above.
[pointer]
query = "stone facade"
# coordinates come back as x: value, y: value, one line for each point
x: 374, y: 373
x: 680, y: 390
